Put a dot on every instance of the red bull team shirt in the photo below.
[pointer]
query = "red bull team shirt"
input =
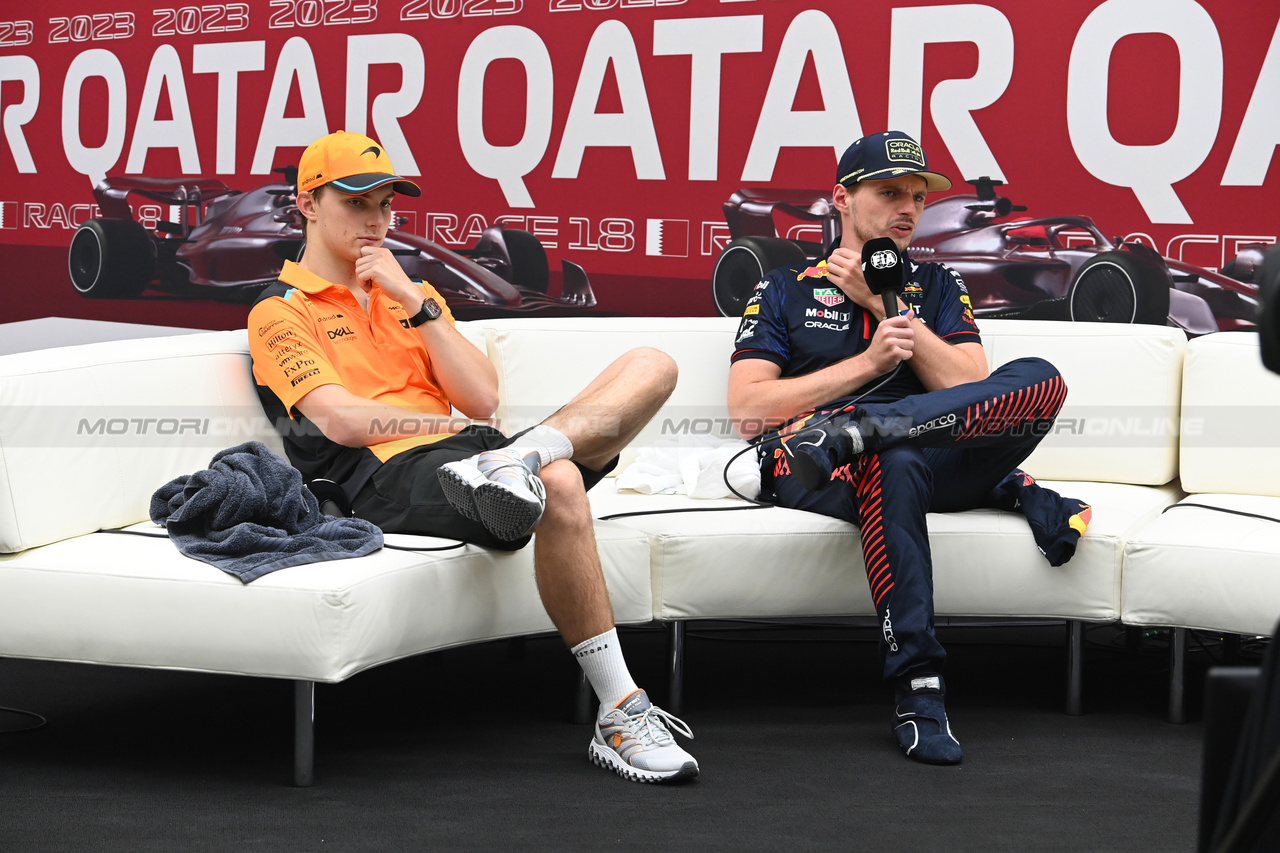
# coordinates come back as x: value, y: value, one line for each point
x: 800, y: 321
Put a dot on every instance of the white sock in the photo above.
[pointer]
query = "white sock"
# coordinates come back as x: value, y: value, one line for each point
x: 496, y: 465
x: 601, y: 659
x: 550, y: 443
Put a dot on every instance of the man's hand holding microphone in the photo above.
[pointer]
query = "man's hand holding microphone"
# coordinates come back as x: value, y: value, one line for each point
x: 874, y: 281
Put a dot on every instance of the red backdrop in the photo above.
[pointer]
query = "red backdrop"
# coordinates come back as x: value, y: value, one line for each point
x: 615, y: 129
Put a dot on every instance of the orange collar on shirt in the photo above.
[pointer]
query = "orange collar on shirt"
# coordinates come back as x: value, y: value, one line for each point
x: 295, y: 275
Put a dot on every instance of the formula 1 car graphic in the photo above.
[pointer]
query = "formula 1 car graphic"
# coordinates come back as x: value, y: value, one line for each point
x: 229, y: 245
x: 1050, y: 268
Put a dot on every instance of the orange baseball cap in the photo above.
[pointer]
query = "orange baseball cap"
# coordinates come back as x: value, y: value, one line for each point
x: 353, y: 163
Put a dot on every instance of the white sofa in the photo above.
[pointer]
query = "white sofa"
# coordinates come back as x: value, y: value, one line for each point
x: 87, y: 434
x: 1213, y: 561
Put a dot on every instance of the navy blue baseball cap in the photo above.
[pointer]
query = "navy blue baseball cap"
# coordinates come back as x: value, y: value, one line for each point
x: 882, y: 156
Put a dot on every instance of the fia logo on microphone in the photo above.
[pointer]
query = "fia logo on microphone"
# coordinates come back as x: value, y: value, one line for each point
x: 884, y: 259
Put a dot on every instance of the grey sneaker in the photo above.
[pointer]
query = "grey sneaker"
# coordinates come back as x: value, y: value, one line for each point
x: 498, y: 488
x: 633, y: 740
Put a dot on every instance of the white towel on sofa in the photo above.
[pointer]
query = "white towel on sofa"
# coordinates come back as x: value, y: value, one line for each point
x: 693, y: 465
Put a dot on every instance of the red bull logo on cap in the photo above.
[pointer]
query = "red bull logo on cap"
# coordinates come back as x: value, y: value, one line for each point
x: 904, y: 151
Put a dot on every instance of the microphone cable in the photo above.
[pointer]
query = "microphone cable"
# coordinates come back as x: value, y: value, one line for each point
x: 768, y: 435
x: 753, y: 444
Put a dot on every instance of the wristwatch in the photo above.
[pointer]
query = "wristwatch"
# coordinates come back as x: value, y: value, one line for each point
x: 430, y: 310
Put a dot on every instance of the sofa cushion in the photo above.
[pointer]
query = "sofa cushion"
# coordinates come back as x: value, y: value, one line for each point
x: 1230, y: 410
x: 1120, y: 420
x: 1204, y: 568
x: 778, y: 562
x: 1119, y: 423
x: 474, y: 331
x: 88, y: 433
x: 113, y: 598
x: 543, y: 363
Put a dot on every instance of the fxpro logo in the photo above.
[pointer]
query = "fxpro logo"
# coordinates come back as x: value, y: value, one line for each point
x: 300, y: 366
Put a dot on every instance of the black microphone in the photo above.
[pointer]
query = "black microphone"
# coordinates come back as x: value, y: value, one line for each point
x: 884, y: 271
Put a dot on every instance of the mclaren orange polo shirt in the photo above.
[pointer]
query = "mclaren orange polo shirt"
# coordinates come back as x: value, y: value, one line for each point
x: 305, y: 332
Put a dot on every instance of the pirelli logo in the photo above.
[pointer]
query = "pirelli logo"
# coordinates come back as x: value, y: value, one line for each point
x: 303, y: 377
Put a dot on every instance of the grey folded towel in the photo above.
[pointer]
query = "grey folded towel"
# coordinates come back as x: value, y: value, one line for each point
x: 248, y: 514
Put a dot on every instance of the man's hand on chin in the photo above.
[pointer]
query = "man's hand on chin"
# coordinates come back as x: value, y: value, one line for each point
x: 377, y: 266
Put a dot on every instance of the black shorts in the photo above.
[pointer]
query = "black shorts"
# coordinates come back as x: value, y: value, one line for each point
x: 404, y: 494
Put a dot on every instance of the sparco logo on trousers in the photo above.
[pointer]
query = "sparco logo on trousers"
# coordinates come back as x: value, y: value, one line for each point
x: 888, y: 633
x: 945, y: 420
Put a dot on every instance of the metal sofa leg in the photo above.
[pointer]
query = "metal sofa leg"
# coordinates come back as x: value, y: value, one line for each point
x: 675, y: 667
x: 1075, y: 667
x: 304, y: 733
x: 1177, y: 675
x: 1231, y: 649
x: 584, y: 702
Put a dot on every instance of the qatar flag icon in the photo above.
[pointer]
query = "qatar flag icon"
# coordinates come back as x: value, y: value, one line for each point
x: 667, y: 237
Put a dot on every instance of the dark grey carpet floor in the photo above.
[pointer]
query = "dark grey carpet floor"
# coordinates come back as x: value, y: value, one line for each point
x: 473, y: 749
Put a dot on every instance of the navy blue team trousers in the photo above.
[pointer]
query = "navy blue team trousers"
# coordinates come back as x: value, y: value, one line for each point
x: 940, y: 451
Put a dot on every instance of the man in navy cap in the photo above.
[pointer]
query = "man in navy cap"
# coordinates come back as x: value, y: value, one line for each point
x: 890, y: 416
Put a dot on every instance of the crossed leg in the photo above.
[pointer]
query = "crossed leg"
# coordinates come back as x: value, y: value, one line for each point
x: 599, y: 421
x: 631, y: 734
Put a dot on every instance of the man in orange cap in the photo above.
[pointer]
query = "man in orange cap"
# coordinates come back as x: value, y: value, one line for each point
x: 346, y: 345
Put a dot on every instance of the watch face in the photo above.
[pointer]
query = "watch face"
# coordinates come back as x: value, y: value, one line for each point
x: 430, y: 310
